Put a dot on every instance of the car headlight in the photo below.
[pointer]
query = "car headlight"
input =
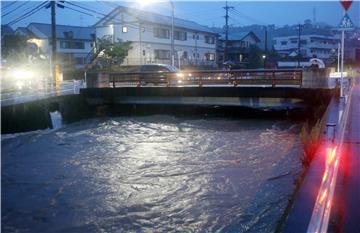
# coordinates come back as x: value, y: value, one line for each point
x: 22, y: 74
x: 179, y: 75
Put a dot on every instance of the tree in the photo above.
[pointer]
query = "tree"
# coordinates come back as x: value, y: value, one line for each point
x: 14, y: 48
x: 255, y: 57
x: 112, y: 53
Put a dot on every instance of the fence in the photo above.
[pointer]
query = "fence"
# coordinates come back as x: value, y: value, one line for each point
x: 269, y: 77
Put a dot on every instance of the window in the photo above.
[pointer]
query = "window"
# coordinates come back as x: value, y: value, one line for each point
x: 180, y: 35
x: 209, y: 40
x: 162, y: 33
x: 69, y: 35
x: 124, y: 29
x: 162, y: 54
x: 304, y: 42
x: 66, y: 44
x: 283, y: 42
x: 185, y: 55
x: 210, y: 56
x: 79, y: 60
x: 195, y: 36
x: 143, y: 52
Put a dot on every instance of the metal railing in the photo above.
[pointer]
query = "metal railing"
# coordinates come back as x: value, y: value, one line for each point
x: 264, y: 77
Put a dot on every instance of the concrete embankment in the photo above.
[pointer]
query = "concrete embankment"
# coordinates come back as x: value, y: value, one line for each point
x: 235, y: 102
x: 35, y: 115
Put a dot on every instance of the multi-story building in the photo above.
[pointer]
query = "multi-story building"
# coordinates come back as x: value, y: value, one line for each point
x: 320, y: 46
x: 73, y: 43
x: 238, y: 46
x: 150, y: 35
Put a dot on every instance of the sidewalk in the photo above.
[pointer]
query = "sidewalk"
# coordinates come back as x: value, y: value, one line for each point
x: 345, y: 216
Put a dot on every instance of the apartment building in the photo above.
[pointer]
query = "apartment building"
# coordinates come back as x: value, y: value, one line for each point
x: 150, y: 35
x: 73, y: 43
x: 320, y: 46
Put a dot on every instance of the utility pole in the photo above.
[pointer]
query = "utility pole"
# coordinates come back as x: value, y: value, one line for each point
x: 53, y: 40
x: 226, y: 29
x: 298, y: 55
x: 266, y: 48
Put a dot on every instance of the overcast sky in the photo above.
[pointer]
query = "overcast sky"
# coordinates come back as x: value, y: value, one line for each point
x: 208, y: 13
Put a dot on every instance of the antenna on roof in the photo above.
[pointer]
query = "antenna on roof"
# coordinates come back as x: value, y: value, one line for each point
x: 314, y: 15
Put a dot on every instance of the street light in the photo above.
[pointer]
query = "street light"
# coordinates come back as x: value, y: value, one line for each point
x: 147, y: 2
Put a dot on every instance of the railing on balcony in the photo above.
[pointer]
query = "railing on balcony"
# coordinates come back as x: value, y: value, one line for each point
x: 264, y: 77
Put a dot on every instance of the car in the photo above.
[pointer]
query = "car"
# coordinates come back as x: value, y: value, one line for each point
x: 155, y: 74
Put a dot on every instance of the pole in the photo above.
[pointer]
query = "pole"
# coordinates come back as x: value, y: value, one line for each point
x: 196, y: 48
x: 266, y: 48
x: 342, y: 62
x: 226, y: 30
x: 338, y: 58
x: 298, y: 55
x: 172, y: 33
x: 140, y: 45
x: 53, y: 41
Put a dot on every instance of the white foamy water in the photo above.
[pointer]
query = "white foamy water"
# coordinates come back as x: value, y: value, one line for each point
x: 56, y: 119
x: 146, y: 174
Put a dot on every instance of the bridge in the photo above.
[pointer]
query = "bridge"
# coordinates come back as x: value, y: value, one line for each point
x: 266, y: 89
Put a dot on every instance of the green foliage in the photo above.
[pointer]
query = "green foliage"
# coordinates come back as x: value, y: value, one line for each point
x: 14, y: 48
x: 310, y: 139
x: 114, y: 53
x: 255, y: 58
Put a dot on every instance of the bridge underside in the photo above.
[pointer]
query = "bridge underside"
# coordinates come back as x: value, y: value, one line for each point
x: 254, y: 97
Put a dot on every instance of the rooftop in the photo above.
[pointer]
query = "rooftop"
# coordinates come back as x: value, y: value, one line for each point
x: 44, y: 31
x: 146, y: 16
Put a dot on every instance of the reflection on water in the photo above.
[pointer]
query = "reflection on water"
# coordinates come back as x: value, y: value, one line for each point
x: 156, y: 173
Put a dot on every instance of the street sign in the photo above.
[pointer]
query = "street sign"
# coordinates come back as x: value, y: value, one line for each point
x: 346, y: 4
x: 346, y: 22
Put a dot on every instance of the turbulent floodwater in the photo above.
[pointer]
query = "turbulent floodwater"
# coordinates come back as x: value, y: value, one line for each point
x: 150, y: 174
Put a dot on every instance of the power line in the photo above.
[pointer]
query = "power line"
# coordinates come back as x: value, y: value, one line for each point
x: 82, y: 12
x: 240, y: 14
x: 15, y: 9
x: 84, y: 8
x: 29, y: 13
x: 8, y: 5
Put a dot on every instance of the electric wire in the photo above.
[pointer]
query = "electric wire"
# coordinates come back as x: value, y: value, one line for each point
x: 8, y: 5
x: 29, y: 13
x: 15, y: 9
x: 249, y: 18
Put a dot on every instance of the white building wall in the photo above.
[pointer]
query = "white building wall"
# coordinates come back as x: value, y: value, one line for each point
x: 142, y: 36
x: 315, y: 45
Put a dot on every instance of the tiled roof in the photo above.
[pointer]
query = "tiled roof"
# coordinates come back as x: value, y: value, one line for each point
x: 238, y: 35
x: 6, y: 29
x: 154, y: 18
x: 81, y: 33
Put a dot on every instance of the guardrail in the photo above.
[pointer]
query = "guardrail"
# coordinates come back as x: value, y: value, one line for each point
x: 270, y: 77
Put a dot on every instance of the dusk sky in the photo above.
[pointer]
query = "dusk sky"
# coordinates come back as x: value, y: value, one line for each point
x: 208, y: 13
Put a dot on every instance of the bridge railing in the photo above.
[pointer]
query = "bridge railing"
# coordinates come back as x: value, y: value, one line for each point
x: 268, y: 77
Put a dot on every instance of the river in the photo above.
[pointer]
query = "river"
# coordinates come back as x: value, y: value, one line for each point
x: 150, y: 174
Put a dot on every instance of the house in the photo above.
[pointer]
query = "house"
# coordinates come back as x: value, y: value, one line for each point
x: 150, y: 34
x: 238, y: 46
x: 73, y: 43
x: 313, y: 45
x: 6, y: 30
